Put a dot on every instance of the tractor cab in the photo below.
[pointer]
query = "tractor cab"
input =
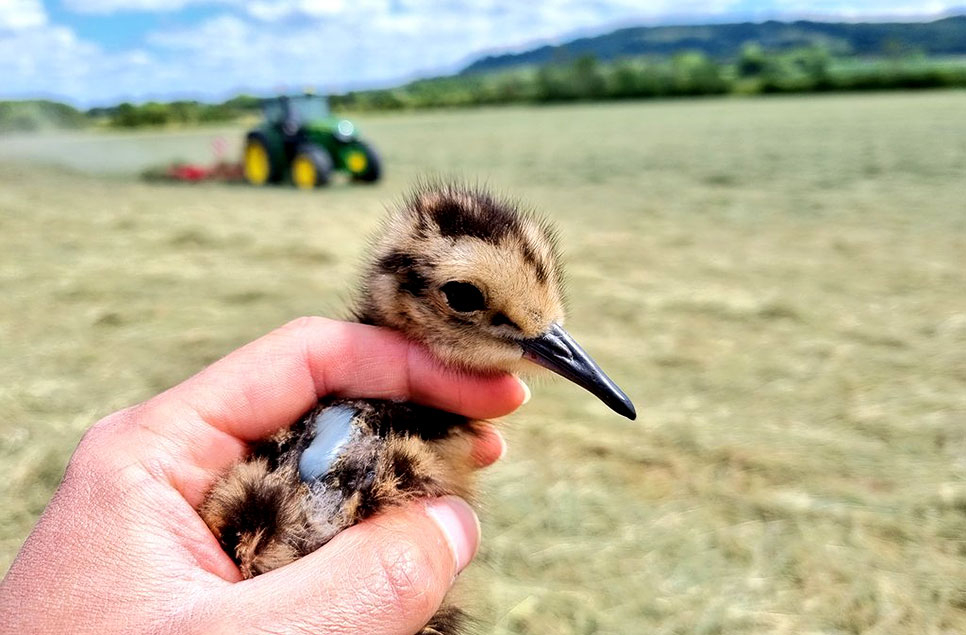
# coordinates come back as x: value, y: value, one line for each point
x: 296, y: 110
x: 300, y: 141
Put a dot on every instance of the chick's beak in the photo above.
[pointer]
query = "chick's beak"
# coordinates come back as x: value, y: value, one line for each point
x: 555, y: 350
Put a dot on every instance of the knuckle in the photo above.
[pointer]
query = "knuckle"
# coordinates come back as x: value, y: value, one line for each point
x: 94, y: 449
x: 107, y: 427
x: 300, y: 325
x: 102, y: 467
x: 310, y: 330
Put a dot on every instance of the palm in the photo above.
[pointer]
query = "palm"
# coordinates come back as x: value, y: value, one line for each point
x: 121, y: 548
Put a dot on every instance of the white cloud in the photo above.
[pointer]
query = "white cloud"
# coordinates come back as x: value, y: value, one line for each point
x: 50, y: 60
x: 329, y: 44
x: 16, y: 15
x: 866, y: 10
x: 114, y: 6
x: 268, y: 10
x: 402, y: 37
x: 271, y: 11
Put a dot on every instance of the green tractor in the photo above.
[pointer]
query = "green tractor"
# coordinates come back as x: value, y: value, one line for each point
x: 300, y: 141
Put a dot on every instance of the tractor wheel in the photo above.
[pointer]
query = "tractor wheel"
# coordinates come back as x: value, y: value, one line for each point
x: 311, y: 167
x: 364, y: 164
x: 257, y: 161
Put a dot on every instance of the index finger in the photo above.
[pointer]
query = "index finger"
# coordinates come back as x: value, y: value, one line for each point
x: 272, y: 381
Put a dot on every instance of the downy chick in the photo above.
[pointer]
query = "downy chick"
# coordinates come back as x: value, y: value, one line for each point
x: 480, y: 284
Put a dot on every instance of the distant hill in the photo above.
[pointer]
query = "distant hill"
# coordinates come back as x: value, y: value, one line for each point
x: 725, y: 41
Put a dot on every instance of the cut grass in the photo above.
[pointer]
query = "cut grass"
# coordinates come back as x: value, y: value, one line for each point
x: 777, y: 283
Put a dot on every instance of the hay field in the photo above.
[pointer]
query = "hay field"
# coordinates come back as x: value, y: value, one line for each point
x: 779, y: 284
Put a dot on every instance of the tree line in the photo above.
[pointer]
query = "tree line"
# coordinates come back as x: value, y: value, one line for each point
x: 693, y: 73
x: 183, y: 112
x: 755, y: 71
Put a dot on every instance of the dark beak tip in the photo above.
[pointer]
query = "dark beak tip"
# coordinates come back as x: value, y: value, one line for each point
x: 625, y: 408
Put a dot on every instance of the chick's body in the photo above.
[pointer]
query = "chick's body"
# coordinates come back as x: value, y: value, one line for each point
x: 477, y: 282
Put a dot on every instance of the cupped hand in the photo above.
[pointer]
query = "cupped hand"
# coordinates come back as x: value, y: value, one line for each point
x: 120, y: 547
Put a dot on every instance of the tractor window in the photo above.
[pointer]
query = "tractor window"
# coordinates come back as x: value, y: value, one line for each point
x: 310, y: 108
x: 273, y: 111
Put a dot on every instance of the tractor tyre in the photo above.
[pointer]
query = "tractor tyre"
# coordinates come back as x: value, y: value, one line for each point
x: 257, y: 165
x: 311, y: 167
x: 373, y: 168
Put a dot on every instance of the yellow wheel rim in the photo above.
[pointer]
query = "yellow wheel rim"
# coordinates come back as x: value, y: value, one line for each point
x: 303, y: 172
x: 256, y: 163
x: 356, y: 162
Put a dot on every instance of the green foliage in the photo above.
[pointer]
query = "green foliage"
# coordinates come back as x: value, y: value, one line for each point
x: 367, y: 100
x: 800, y: 70
x: 552, y: 84
x: 694, y: 74
x: 153, y: 113
x: 899, y: 76
x: 243, y: 103
x: 752, y: 61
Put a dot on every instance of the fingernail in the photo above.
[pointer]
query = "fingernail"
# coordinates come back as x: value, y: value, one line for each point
x: 459, y: 524
x: 526, y: 391
x: 502, y: 444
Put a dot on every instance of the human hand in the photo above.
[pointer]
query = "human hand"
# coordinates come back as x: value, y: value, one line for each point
x: 120, y: 547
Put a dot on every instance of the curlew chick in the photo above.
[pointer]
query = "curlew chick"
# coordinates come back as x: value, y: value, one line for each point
x: 479, y: 283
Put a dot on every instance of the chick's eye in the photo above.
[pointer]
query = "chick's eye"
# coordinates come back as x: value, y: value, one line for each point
x: 463, y: 297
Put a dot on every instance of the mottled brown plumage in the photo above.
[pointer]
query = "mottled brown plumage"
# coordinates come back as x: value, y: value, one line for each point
x: 479, y: 283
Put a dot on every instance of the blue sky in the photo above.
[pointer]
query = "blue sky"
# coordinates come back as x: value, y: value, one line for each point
x: 95, y: 52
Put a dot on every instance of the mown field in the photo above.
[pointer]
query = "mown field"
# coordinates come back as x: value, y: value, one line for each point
x: 779, y: 284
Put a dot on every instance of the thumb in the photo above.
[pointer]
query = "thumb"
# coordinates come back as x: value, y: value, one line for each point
x: 387, y: 575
